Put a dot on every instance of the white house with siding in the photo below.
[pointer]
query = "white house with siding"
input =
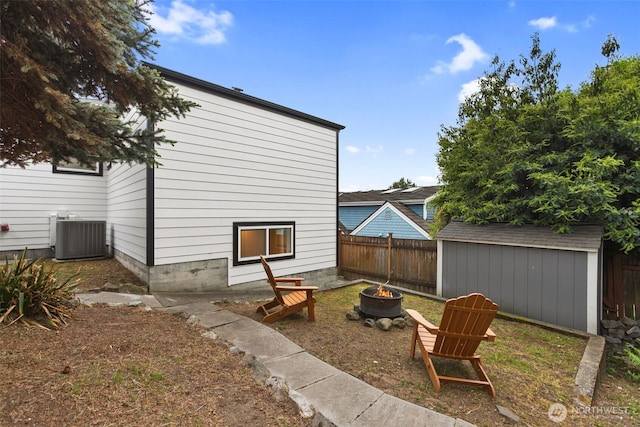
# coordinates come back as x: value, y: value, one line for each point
x: 245, y: 177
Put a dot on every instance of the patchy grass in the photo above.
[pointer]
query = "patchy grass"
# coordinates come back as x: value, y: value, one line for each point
x: 531, y: 367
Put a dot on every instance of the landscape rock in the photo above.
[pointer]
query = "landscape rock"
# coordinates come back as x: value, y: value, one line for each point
x: 369, y: 322
x: 211, y: 335
x: 353, y: 315
x: 278, y: 386
x: 384, y: 323
x: 509, y: 414
x: 130, y: 288
x: 611, y: 324
x: 634, y: 332
x: 611, y: 340
x: 110, y: 287
x: 305, y: 408
x: 399, y: 323
x: 617, y: 333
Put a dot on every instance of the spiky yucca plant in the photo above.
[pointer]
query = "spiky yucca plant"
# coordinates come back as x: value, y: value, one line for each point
x: 30, y: 292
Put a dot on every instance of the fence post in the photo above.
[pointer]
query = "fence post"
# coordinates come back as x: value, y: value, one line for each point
x: 389, y: 239
x: 339, y: 257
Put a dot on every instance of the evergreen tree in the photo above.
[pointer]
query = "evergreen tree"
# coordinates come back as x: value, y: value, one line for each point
x: 402, y: 183
x: 70, y: 69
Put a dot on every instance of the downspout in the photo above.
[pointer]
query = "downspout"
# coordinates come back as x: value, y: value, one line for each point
x: 150, y: 208
x: 337, y: 232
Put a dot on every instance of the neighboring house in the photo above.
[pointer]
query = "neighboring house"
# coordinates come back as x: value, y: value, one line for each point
x: 407, y: 213
x: 246, y: 177
x: 529, y: 271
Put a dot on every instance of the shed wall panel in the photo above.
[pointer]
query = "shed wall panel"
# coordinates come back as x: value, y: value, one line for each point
x: 534, y: 283
x: 507, y: 295
x: 543, y: 284
x: 520, y: 278
x: 550, y: 286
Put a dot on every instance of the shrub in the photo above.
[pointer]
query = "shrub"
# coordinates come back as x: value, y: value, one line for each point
x: 634, y: 356
x: 30, y: 293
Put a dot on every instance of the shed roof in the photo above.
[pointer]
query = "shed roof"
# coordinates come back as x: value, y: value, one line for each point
x: 378, y: 197
x: 584, y: 238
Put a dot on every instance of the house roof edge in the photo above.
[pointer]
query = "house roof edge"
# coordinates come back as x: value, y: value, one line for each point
x: 172, y: 75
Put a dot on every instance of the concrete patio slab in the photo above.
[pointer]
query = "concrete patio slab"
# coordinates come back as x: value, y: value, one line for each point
x: 256, y: 339
x: 300, y: 369
x: 389, y: 410
x: 341, y: 398
x: 115, y: 299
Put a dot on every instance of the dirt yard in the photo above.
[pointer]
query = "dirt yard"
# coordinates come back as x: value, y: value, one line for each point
x: 128, y: 366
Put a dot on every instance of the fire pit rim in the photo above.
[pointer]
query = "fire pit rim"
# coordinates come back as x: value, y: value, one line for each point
x: 380, y: 306
x: 394, y: 294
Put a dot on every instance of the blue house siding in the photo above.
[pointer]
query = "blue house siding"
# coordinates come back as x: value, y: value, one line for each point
x: 418, y: 209
x: 352, y: 216
x: 389, y: 222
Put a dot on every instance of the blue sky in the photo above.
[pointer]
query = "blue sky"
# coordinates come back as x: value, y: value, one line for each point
x: 392, y: 72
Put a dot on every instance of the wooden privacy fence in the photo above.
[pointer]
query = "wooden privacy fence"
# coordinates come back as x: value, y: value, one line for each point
x: 410, y: 264
x: 622, y: 285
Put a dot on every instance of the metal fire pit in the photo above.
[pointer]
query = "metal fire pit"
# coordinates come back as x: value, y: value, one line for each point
x: 377, y: 306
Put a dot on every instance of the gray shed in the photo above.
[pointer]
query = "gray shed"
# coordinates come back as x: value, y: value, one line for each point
x: 528, y: 271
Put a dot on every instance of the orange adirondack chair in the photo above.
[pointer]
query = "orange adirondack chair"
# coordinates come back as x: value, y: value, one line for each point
x: 465, y: 323
x: 290, y: 299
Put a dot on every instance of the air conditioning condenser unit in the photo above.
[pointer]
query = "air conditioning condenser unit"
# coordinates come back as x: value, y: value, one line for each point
x: 77, y: 239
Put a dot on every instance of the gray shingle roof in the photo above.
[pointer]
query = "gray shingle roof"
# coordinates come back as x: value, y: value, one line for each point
x: 586, y: 238
x: 378, y: 197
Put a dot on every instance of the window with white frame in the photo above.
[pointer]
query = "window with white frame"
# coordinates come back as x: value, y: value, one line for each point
x: 274, y: 240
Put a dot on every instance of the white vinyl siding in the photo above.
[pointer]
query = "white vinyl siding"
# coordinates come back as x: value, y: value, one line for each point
x: 238, y: 163
x: 127, y: 200
x: 128, y: 210
x: 29, y: 196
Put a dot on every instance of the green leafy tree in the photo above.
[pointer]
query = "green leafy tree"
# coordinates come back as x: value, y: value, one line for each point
x: 402, y: 183
x: 524, y: 151
x: 70, y: 70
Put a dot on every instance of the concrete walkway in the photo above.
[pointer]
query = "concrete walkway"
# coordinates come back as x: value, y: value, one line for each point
x: 330, y: 396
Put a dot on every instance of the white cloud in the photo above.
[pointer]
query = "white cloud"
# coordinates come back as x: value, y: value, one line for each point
x: 552, y: 22
x: 374, y: 150
x: 352, y: 149
x: 468, y: 89
x: 409, y: 151
x: 544, y: 23
x: 183, y: 21
x: 589, y: 21
x: 463, y: 61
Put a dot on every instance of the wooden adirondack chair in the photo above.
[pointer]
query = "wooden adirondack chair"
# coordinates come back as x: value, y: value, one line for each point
x: 465, y: 323
x: 290, y: 299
